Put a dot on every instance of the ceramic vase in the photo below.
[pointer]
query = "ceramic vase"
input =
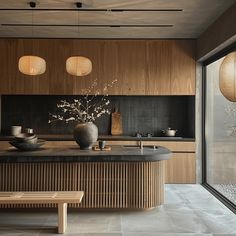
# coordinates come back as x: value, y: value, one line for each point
x: 86, y: 134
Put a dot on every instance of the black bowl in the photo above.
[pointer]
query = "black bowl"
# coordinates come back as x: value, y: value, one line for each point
x: 27, y: 146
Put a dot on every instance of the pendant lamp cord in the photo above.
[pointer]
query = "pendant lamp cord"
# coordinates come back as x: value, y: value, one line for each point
x: 78, y: 22
x: 32, y: 28
x: 78, y: 5
x: 32, y: 5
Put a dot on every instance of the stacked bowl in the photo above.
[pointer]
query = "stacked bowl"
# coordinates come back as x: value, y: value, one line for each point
x: 26, y: 138
x: 26, y: 142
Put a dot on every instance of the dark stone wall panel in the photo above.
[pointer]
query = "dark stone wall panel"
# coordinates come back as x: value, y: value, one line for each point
x: 144, y: 114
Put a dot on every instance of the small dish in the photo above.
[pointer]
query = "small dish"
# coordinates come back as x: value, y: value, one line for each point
x: 27, y: 146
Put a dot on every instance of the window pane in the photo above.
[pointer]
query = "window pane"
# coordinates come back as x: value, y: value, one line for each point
x: 220, y: 136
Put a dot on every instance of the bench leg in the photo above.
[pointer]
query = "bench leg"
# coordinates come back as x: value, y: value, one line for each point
x: 62, y: 217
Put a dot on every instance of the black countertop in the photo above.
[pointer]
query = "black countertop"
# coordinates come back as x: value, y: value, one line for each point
x: 57, y: 137
x: 74, y: 154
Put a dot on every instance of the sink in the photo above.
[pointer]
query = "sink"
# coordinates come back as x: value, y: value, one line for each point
x: 136, y: 146
x: 130, y: 146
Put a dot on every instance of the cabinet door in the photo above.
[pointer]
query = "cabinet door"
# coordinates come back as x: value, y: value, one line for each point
x: 158, y: 67
x: 60, y: 82
x: 132, y: 66
x: 181, y: 168
x: 183, y: 67
x: 8, y: 65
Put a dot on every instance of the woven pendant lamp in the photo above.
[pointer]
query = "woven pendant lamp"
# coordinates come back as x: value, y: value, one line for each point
x: 78, y: 65
x: 32, y: 65
x: 227, y: 80
x: 29, y: 64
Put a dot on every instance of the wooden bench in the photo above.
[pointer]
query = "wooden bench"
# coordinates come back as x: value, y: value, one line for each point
x: 59, y: 198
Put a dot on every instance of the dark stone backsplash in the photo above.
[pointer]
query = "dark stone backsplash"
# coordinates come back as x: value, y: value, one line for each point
x: 139, y: 113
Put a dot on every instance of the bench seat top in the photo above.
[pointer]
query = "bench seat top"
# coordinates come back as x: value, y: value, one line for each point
x: 41, y: 197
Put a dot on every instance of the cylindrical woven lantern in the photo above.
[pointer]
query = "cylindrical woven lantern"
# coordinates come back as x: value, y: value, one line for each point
x: 78, y: 66
x: 227, y: 81
x: 32, y: 65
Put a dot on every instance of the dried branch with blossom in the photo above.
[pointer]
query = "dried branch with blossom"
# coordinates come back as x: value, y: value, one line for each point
x: 85, y: 109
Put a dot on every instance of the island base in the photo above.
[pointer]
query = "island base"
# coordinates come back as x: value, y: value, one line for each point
x: 106, y: 185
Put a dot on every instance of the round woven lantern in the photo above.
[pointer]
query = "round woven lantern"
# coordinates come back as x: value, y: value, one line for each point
x: 227, y: 80
x: 32, y: 65
x: 78, y: 66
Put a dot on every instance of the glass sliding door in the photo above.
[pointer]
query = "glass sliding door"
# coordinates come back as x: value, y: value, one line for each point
x: 220, y: 136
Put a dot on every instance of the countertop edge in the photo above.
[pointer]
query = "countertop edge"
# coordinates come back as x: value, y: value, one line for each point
x: 106, y: 137
x: 117, y: 154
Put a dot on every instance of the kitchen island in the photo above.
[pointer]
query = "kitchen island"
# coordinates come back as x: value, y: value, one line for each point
x: 125, y: 177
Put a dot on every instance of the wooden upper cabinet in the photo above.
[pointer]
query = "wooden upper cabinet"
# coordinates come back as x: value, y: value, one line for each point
x: 124, y: 61
x: 109, y: 70
x: 158, y: 67
x: 132, y: 66
x: 60, y: 82
x: 170, y: 67
x: 8, y: 66
x: 141, y: 67
x: 183, y: 67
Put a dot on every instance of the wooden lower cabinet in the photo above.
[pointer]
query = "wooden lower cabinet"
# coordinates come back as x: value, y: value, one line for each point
x: 181, y: 168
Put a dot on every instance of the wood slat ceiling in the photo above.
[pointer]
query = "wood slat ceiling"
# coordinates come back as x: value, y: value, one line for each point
x: 192, y: 18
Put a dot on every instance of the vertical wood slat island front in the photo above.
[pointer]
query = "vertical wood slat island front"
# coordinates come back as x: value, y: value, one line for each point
x: 106, y: 184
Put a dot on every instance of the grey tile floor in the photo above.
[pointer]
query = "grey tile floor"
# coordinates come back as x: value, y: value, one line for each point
x: 189, y: 210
